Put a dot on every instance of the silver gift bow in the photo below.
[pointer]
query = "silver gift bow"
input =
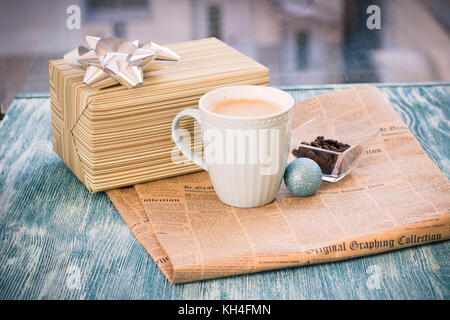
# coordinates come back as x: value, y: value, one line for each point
x: 119, y: 59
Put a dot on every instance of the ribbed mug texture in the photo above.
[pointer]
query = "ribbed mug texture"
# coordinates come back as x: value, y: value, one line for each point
x: 244, y: 184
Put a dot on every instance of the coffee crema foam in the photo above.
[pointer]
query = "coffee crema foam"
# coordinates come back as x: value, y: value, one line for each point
x: 246, y: 108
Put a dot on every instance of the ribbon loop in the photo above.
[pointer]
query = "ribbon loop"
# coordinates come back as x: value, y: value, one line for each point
x: 119, y: 59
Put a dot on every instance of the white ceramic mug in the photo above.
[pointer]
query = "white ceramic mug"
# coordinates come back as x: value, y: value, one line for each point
x: 245, y: 156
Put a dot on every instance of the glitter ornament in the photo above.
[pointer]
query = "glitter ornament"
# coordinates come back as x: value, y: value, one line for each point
x: 303, y: 177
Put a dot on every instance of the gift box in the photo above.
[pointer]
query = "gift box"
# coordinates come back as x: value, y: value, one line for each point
x: 116, y: 136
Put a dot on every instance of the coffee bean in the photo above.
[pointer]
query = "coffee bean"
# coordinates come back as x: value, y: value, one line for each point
x: 333, y: 148
x: 310, y: 154
x: 322, y: 159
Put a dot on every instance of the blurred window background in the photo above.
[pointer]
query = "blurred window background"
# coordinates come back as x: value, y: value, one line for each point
x: 301, y: 41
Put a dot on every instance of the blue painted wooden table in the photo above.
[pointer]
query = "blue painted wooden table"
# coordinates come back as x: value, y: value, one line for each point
x: 58, y: 241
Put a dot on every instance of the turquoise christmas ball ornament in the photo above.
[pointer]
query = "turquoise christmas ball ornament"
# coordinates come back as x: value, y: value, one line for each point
x: 303, y: 177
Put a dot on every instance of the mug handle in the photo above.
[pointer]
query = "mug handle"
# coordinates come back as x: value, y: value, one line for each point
x: 177, y: 138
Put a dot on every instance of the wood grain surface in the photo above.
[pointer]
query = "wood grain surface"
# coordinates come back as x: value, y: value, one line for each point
x: 58, y: 241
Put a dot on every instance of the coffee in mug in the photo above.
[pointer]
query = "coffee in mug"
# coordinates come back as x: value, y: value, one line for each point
x: 246, y: 108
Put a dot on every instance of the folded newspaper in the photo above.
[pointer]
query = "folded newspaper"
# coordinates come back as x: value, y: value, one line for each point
x: 395, y: 198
